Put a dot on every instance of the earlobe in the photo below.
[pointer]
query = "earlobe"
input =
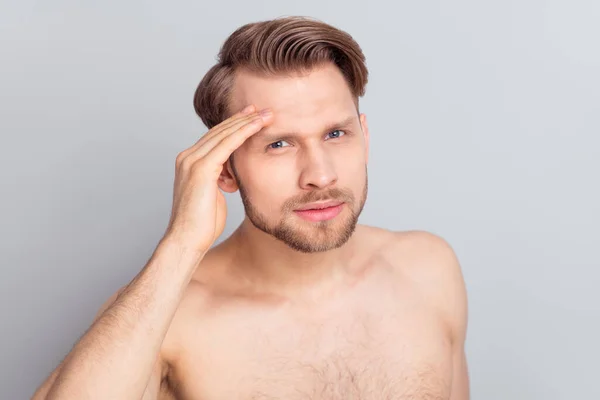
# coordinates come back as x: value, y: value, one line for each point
x: 227, y: 181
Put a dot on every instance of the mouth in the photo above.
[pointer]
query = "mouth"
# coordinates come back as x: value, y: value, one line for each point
x: 323, y: 211
x: 320, y: 205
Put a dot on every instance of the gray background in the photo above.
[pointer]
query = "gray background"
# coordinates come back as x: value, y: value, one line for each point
x: 484, y: 119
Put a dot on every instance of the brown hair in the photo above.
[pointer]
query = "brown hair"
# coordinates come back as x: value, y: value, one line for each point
x: 276, y: 47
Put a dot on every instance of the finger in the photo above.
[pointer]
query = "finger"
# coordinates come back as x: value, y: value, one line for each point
x: 221, y: 152
x: 245, y: 114
x: 230, y: 123
x: 214, y: 141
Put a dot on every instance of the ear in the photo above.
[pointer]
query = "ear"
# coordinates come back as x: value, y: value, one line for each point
x: 227, y: 181
x: 365, y: 130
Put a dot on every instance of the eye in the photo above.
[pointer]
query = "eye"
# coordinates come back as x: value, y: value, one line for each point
x: 277, y: 145
x: 335, y: 134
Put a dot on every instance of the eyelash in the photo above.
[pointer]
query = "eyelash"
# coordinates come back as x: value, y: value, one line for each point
x: 335, y: 130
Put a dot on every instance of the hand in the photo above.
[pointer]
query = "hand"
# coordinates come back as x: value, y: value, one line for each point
x: 199, y: 208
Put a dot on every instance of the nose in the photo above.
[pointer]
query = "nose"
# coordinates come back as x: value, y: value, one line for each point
x: 317, y: 170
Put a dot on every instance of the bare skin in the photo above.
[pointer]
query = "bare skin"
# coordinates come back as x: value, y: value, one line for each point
x: 285, y: 308
x: 386, y: 328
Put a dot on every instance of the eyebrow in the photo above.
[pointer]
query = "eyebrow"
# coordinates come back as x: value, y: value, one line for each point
x: 271, y: 137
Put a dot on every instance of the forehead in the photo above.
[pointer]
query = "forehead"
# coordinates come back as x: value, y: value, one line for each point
x: 301, y: 102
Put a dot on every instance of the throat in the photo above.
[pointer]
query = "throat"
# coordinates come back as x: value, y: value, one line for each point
x: 291, y: 274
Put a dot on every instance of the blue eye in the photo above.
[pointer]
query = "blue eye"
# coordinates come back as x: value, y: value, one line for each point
x: 277, y: 145
x: 335, y: 134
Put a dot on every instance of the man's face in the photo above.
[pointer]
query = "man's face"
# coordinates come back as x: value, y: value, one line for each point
x: 315, y: 150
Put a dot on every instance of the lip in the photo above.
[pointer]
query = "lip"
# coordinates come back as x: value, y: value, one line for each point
x: 320, y: 211
x: 320, y: 205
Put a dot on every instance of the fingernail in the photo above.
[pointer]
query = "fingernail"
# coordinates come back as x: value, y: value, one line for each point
x: 265, y: 113
x: 248, y: 109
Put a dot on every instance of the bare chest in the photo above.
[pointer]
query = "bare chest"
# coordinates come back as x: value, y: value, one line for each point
x: 354, y: 368
x: 363, y: 353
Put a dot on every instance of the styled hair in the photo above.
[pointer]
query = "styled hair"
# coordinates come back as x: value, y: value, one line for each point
x: 277, y: 47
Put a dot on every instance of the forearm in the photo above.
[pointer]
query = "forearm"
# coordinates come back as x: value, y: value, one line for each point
x: 114, y: 359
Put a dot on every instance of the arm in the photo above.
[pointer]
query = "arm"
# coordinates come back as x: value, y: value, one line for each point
x: 118, y: 356
x: 453, y: 303
x: 439, y: 275
x: 44, y: 388
x: 460, y: 375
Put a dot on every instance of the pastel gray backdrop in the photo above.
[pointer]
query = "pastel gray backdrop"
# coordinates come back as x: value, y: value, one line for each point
x: 484, y: 121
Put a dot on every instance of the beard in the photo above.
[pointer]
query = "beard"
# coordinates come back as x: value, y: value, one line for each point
x: 305, y: 236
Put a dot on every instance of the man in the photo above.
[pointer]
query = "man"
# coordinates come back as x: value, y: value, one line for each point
x: 300, y: 302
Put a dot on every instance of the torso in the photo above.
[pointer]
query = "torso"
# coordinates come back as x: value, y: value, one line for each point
x: 380, y: 338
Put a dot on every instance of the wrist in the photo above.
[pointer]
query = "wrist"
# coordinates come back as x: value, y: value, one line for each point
x: 188, y: 253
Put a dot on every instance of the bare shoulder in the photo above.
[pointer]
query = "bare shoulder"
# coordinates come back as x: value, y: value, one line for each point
x: 423, y: 254
x: 414, y: 244
x: 431, y: 265
x: 418, y: 255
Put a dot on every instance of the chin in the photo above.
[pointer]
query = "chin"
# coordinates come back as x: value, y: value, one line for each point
x: 316, y: 237
x: 307, y: 236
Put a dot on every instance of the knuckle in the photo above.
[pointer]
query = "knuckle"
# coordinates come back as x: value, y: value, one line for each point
x: 186, y: 164
x: 197, y: 167
x: 252, y: 124
x: 227, y: 122
x: 179, y: 159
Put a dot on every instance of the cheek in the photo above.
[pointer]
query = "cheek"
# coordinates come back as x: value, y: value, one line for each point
x: 269, y: 184
x: 355, y: 181
x: 352, y: 175
x: 351, y: 165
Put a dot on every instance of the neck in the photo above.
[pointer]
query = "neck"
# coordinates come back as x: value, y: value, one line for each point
x: 271, y: 265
